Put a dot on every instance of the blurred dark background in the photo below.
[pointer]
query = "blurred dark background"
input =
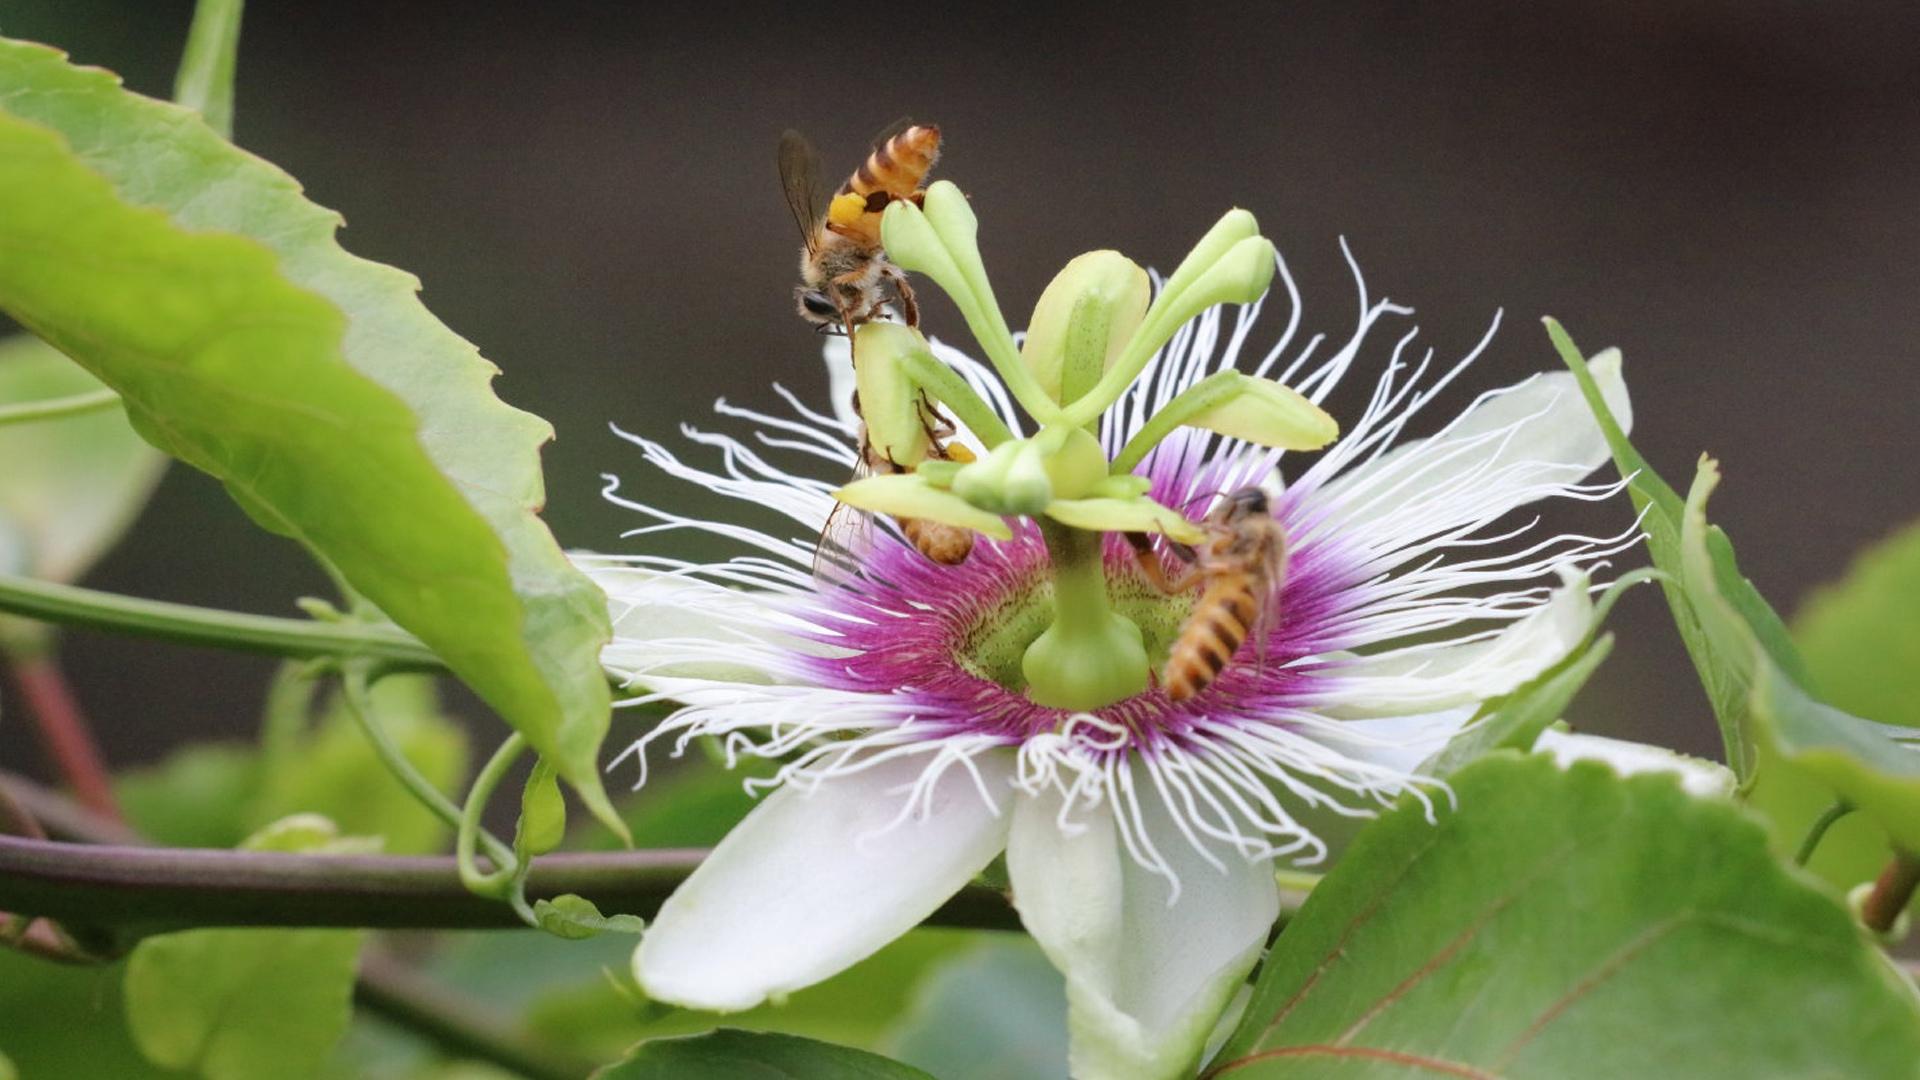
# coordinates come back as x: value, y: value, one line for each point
x: 1725, y: 190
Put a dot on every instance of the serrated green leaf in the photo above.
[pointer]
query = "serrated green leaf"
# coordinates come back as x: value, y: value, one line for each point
x: 577, y: 918
x: 195, y: 280
x: 70, y: 486
x: 242, y: 1004
x: 1660, y: 508
x: 1854, y: 758
x: 1566, y: 925
x: 745, y: 1055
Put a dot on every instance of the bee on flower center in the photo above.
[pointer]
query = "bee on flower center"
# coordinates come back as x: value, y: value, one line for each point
x: 1239, y: 569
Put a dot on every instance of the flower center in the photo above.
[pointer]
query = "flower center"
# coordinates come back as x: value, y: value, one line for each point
x: 993, y: 645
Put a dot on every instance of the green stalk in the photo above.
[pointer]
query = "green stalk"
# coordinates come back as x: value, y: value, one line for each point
x: 205, y: 81
x: 54, y: 408
x: 298, y: 638
x: 360, y: 704
x: 1194, y: 401
x: 500, y: 881
x: 946, y: 385
x: 1091, y: 656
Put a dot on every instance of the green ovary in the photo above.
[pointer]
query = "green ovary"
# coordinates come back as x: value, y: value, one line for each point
x: 996, y: 646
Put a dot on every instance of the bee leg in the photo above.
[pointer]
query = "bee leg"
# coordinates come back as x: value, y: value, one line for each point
x: 1150, y: 567
x: 909, y: 308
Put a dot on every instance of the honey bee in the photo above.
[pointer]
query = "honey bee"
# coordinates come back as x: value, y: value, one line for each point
x: 843, y: 270
x: 844, y: 535
x: 1240, y: 569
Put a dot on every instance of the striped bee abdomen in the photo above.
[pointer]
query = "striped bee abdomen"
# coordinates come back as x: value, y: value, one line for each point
x: 1213, y: 633
x: 898, y: 165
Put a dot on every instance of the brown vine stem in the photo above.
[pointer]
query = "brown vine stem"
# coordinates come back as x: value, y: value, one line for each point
x: 1891, y: 892
x: 64, y: 731
x: 150, y: 890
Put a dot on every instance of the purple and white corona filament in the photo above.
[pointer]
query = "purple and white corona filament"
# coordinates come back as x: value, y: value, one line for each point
x: 1141, y: 835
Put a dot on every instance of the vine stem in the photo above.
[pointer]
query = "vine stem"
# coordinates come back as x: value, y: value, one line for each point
x: 117, y: 884
x: 64, y: 730
x: 1891, y: 892
x: 297, y: 638
x: 55, y: 408
x: 1818, y: 830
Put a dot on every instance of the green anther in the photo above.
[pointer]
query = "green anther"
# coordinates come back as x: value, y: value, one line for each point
x: 1084, y: 319
x: 889, y: 401
x: 1091, y: 656
x: 942, y: 242
x: 898, y: 356
x: 909, y: 495
x: 1234, y: 403
x: 939, y: 473
x: 1231, y: 264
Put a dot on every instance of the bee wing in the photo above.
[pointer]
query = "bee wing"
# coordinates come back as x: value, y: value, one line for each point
x: 845, y: 539
x: 1274, y: 576
x: 880, y: 137
x: 800, y: 183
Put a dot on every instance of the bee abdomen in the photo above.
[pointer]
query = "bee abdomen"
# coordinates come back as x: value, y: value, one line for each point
x: 898, y: 165
x: 948, y: 545
x: 1212, y: 635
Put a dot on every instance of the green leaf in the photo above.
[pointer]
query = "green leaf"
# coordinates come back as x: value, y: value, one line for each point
x: 202, y: 795
x: 744, y: 1055
x: 997, y: 1008
x: 47, y: 1007
x: 195, y: 280
x: 1861, y: 644
x: 1514, y: 720
x: 1853, y: 757
x: 1660, y: 508
x: 333, y: 771
x: 1570, y: 925
x: 598, y: 1010
x: 543, y: 813
x: 242, y: 1004
x: 70, y: 486
x: 576, y: 918
x: 1859, y: 636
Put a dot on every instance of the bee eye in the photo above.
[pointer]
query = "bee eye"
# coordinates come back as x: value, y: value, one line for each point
x: 818, y: 304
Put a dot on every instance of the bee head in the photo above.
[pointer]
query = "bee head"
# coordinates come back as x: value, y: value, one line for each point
x: 1245, y: 502
x: 815, y: 307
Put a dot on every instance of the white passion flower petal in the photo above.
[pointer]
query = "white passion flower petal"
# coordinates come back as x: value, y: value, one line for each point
x: 818, y: 878
x: 1146, y: 978
x: 1498, y: 455
x: 671, y: 626
x: 1699, y: 777
x: 1428, y: 678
